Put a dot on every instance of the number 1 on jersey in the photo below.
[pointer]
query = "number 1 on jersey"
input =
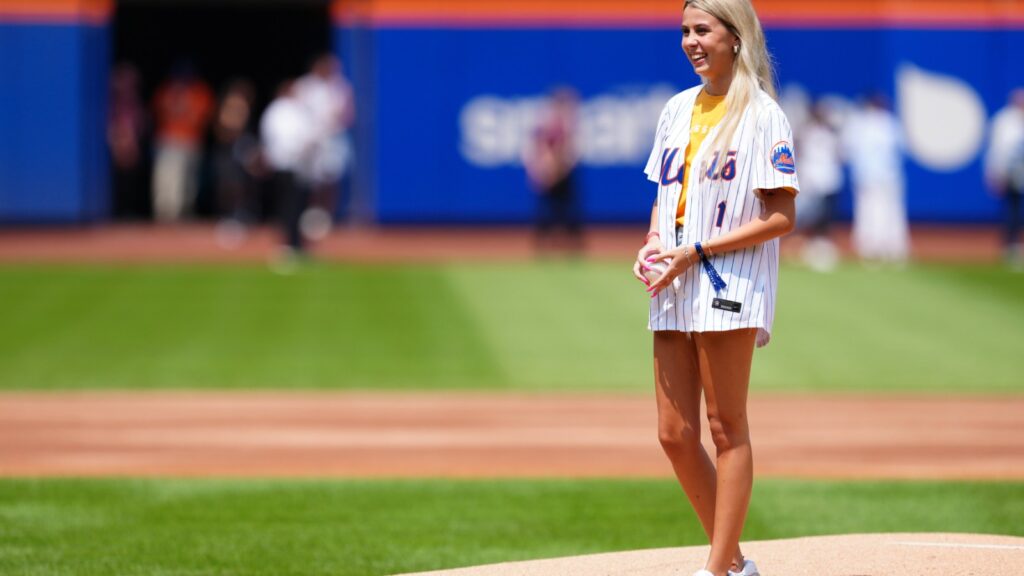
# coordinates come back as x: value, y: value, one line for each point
x: 721, y: 214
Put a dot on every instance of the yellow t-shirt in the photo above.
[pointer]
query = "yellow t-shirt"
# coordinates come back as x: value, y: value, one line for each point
x: 708, y: 111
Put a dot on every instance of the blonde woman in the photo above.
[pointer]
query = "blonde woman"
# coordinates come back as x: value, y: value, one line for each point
x: 726, y: 174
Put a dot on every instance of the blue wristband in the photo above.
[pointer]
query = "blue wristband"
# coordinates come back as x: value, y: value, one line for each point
x: 700, y: 251
x: 716, y: 281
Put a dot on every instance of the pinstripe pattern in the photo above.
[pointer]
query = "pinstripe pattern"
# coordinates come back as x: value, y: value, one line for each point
x: 763, y: 160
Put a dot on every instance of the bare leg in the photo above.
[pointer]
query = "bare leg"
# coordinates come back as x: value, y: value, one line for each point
x: 724, y: 360
x: 678, y: 390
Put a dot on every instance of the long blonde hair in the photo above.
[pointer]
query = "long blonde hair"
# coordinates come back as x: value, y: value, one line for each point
x: 752, y: 69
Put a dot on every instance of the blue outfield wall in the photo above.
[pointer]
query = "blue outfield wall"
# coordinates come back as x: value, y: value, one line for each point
x: 451, y: 107
x: 443, y: 113
x: 53, y: 93
x: 983, y: 64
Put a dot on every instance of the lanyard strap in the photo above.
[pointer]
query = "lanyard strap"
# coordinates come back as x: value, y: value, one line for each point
x: 716, y: 281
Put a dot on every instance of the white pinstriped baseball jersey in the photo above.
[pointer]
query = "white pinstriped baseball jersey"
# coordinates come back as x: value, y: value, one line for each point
x: 720, y: 197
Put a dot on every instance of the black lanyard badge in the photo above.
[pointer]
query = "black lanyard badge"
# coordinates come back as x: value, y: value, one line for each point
x: 727, y: 305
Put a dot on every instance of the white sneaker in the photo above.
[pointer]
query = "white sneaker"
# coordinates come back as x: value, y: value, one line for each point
x: 749, y: 569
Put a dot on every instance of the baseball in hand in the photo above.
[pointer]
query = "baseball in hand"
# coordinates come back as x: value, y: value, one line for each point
x: 655, y: 270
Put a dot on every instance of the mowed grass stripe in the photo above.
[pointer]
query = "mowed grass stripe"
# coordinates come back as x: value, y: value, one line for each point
x: 253, y: 527
x: 526, y: 326
x: 236, y: 327
x: 562, y: 325
x: 927, y: 328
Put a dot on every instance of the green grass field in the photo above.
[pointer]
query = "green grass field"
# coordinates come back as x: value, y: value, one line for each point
x: 339, y: 528
x: 526, y: 326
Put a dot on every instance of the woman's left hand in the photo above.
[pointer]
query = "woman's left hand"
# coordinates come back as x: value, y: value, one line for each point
x: 678, y: 259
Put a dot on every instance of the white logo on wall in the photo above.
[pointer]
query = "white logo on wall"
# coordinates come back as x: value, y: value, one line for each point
x: 943, y: 117
x: 614, y: 129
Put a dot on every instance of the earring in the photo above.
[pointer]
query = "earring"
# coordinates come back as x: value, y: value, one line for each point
x: 736, y: 49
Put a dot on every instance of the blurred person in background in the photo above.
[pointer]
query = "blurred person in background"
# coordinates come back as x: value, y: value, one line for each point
x: 821, y: 178
x: 126, y: 130
x: 550, y: 159
x: 329, y: 98
x: 289, y: 138
x: 182, y: 108
x: 236, y: 158
x: 1004, y: 171
x: 873, y: 144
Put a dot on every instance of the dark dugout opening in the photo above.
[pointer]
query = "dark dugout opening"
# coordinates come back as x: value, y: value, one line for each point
x: 262, y: 41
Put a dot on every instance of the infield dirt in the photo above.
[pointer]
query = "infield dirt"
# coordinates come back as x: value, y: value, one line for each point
x: 489, y: 435
x: 136, y: 243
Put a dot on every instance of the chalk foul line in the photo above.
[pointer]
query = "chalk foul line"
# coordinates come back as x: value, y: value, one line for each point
x: 960, y: 545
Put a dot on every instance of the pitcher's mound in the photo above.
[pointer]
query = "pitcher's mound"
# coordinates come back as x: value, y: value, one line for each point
x: 851, y: 555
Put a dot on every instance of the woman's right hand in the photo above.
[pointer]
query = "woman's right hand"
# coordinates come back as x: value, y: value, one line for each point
x: 653, y: 246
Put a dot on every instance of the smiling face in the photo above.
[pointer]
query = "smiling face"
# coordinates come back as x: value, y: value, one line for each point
x: 709, y: 46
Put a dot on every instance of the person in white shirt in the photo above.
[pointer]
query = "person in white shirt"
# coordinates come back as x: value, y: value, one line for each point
x: 289, y: 137
x: 329, y: 99
x: 1004, y: 170
x: 821, y: 179
x: 873, y: 145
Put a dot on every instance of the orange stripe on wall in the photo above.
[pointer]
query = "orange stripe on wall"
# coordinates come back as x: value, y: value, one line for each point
x: 504, y: 10
x: 883, y: 11
x: 47, y: 11
x: 668, y: 12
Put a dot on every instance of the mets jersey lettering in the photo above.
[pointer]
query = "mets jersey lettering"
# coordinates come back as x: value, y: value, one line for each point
x: 666, y: 167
